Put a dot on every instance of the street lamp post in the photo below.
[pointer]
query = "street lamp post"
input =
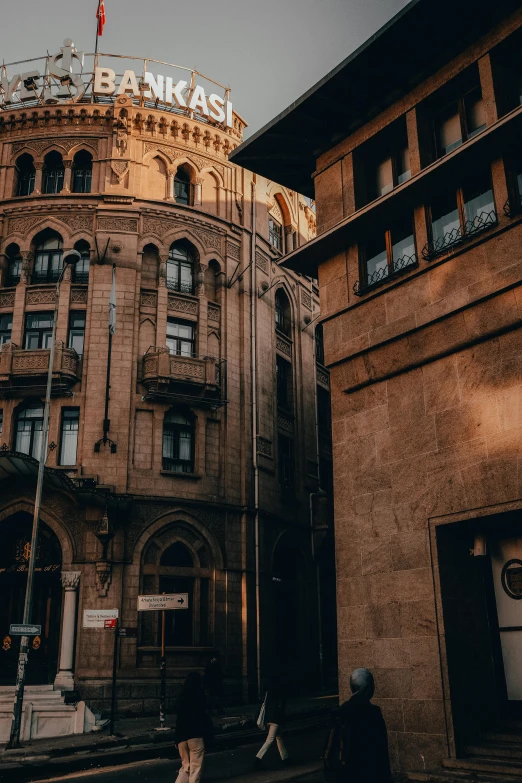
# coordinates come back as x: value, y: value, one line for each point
x: 70, y: 259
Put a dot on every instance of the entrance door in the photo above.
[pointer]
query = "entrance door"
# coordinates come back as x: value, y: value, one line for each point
x: 506, y: 562
x: 47, y: 596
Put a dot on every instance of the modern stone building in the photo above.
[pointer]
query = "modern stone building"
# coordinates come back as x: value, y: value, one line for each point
x: 413, y: 149
x: 204, y: 476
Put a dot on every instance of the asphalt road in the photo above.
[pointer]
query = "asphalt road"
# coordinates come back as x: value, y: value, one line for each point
x: 235, y: 766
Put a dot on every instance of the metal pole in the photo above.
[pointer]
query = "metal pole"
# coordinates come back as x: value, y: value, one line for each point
x: 163, y: 672
x: 14, y: 741
x: 114, y: 667
x: 97, y: 28
x: 106, y: 420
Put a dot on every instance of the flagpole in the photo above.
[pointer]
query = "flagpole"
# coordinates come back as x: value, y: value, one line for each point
x: 97, y: 29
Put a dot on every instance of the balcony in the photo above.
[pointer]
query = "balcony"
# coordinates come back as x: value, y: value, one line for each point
x: 23, y: 372
x: 193, y: 380
x: 457, y: 236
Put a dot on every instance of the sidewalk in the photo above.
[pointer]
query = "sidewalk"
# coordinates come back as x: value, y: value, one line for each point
x: 138, y: 738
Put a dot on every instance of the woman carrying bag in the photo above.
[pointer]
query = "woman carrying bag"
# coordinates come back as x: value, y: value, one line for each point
x: 193, y: 729
x: 272, y: 716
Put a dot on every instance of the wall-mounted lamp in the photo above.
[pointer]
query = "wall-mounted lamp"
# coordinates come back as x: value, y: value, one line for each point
x: 479, y: 546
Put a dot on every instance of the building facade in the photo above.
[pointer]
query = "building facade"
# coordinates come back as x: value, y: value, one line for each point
x: 202, y: 474
x: 418, y: 185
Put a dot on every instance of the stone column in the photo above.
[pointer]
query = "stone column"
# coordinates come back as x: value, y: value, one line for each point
x: 38, y: 177
x: 65, y: 678
x: 198, y: 192
x: 67, y: 176
x: 170, y: 186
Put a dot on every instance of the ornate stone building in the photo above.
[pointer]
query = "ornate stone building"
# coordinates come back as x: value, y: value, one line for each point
x: 175, y: 490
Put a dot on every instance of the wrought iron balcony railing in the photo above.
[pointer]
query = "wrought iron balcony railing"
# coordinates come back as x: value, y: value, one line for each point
x: 81, y: 278
x: 46, y: 277
x: 513, y: 206
x: 192, y: 379
x: 459, y: 235
x: 182, y: 288
x: 385, y: 274
x: 23, y: 370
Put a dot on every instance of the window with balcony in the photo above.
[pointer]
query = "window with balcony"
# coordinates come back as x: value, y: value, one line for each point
x: 25, y: 174
x: 386, y: 254
x: 285, y: 461
x: 14, y: 265
x: 282, y: 312
x: 53, y: 173
x: 180, y: 268
x: 319, y: 344
x: 182, y: 187
x: 181, y: 337
x: 69, y: 435
x: 76, y: 335
x: 48, y: 258
x: 82, y: 172
x: 6, y: 325
x: 458, y: 215
x: 284, y: 384
x: 29, y: 429
x: 38, y: 330
x: 275, y: 233
x: 460, y: 119
x: 178, y: 441
x: 81, y: 269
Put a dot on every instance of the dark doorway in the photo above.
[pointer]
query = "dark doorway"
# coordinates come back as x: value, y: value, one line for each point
x: 15, y: 534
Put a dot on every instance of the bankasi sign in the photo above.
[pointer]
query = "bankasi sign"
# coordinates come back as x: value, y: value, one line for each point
x: 63, y: 79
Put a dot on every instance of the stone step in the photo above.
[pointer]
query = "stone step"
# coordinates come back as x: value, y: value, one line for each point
x: 445, y: 776
x: 28, y: 689
x: 485, y: 765
x: 499, y: 736
x: 503, y: 750
x: 50, y: 697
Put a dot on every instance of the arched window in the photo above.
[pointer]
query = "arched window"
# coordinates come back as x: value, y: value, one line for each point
x: 82, y: 172
x: 81, y: 270
x: 178, y: 441
x: 25, y: 173
x: 319, y: 344
x: 172, y: 565
x: 29, y: 429
x: 14, y: 265
x: 182, y: 187
x: 180, y: 268
x: 282, y: 312
x: 48, y: 258
x: 53, y: 173
x: 275, y: 233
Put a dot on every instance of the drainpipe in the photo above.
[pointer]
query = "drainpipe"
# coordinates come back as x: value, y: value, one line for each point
x: 253, y: 366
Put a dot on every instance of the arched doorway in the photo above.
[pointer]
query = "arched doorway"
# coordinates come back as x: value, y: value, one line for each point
x: 15, y: 534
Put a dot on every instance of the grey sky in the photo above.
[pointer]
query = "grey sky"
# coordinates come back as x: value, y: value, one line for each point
x: 269, y: 51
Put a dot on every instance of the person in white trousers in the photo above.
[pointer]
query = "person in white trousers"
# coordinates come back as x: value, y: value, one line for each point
x: 193, y: 726
x: 275, y: 708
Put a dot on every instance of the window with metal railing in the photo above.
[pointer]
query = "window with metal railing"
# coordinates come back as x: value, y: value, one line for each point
x: 82, y: 172
x: 458, y: 215
x: 180, y: 268
x: 48, y: 259
x: 53, y: 173
x: 25, y: 175
x: 182, y: 187
x: 385, y: 255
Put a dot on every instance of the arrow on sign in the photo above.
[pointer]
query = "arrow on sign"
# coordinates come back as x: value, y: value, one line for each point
x: 181, y: 601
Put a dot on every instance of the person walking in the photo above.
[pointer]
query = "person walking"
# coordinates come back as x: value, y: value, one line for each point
x: 357, y: 748
x: 274, y: 718
x: 193, y: 728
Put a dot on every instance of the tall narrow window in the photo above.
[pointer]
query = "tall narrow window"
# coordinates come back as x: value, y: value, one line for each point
x: 25, y: 174
x: 29, y: 429
x: 53, y: 173
x: 459, y: 214
x: 319, y: 344
x: 178, y: 442
x: 382, y: 163
x: 285, y: 459
x: 76, y: 336
x: 81, y: 269
x: 48, y: 260
x: 82, y: 172
x: 38, y: 330
x: 69, y: 435
x: 182, y: 187
x: 6, y: 325
x: 14, y: 265
x: 459, y: 120
x: 390, y: 171
x: 275, y: 233
x: 1, y: 421
x: 180, y: 268
x: 386, y: 254
x: 282, y: 312
x: 284, y: 384
x: 181, y: 337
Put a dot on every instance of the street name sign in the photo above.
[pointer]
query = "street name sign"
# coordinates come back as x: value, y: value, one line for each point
x: 25, y: 630
x: 95, y: 618
x: 154, y: 603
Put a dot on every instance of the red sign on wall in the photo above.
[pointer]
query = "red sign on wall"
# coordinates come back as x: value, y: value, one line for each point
x: 110, y: 623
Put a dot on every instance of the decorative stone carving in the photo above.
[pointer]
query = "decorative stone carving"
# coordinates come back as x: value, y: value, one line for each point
x: 7, y: 299
x: 172, y: 153
x: 120, y: 169
x: 262, y: 262
x: 323, y: 377
x: 306, y: 299
x: 156, y: 226
x: 188, y: 369
x: 24, y: 225
x: 71, y: 579
x: 64, y: 144
x: 103, y: 577
x: 275, y: 211
x: 148, y: 299
x: 285, y: 423
x: 214, y: 313
x: 284, y: 346
x: 117, y: 224
x: 43, y: 296
x: 78, y: 296
x: 233, y: 251
x: 182, y: 305
x: 264, y: 446
x: 209, y: 239
x: 34, y: 361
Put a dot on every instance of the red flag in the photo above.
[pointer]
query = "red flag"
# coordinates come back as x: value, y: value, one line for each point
x: 100, y: 16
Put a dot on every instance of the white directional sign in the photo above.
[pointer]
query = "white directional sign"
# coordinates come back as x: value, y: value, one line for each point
x: 154, y: 603
x: 25, y: 630
x: 95, y: 618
